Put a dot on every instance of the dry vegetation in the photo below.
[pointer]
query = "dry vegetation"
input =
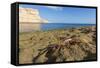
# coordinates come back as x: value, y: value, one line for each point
x: 75, y: 44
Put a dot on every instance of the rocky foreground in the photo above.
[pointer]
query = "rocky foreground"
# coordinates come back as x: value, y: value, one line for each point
x: 75, y: 44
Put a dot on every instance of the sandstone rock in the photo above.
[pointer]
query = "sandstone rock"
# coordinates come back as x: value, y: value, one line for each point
x: 29, y: 19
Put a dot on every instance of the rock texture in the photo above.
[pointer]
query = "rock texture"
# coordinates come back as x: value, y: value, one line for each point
x: 60, y: 45
x: 29, y: 19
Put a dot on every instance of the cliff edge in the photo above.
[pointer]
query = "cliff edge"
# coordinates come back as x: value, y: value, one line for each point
x: 29, y: 19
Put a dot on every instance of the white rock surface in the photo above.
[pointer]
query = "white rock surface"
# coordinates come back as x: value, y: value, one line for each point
x: 29, y: 19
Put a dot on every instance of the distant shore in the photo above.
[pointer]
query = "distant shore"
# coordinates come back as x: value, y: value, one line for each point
x: 49, y: 26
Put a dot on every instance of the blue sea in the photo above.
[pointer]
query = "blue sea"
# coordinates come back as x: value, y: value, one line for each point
x: 51, y: 26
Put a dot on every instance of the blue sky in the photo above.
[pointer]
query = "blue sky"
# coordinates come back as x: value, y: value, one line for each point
x: 71, y: 15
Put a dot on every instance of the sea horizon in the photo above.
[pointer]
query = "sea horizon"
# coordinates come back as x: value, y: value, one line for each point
x: 51, y: 26
x: 55, y: 26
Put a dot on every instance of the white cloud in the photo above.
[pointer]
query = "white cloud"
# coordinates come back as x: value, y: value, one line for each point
x: 54, y: 7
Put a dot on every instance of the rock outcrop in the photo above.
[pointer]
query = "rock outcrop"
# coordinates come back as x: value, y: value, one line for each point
x: 62, y: 45
x: 29, y: 19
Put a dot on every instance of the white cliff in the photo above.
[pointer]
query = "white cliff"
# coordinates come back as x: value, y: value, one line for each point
x: 29, y: 19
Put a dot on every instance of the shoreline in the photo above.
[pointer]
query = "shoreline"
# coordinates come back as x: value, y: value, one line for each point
x: 57, y: 29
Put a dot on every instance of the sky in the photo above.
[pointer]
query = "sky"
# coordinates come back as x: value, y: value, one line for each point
x: 72, y: 15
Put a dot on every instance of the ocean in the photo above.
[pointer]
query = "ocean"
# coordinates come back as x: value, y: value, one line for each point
x: 51, y: 26
x: 48, y: 26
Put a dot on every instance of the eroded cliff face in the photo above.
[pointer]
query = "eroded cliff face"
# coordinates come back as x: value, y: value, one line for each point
x: 29, y: 19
